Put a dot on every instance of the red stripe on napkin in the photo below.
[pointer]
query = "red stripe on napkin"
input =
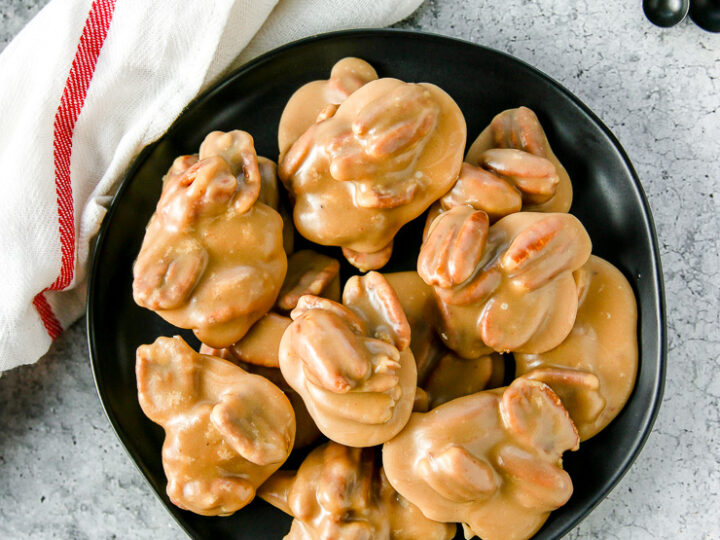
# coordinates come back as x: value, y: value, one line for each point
x: 52, y: 325
x: 71, y: 103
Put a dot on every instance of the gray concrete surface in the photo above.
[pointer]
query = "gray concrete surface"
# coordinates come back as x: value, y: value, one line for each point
x: 63, y: 474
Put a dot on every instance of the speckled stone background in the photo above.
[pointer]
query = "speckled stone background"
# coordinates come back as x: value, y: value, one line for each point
x: 63, y: 473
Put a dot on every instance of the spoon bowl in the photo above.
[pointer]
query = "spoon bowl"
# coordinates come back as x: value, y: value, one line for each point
x: 706, y: 14
x: 666, y: 13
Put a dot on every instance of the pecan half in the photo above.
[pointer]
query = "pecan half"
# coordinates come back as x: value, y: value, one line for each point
x: 346, y: 479
x: 179, y: 165
x: 578, y: 390
x: 349, y: 75
x: 308, y: 272
x: 458, y: 475
x: 332, y: 354
x: 532, y: 411
x: 309, y: 302
x: 454, y: 246
x: 372, y: 297
x: 395, y: 121
x: 484, y: 191
x: 479, y: 288
x: 537, y: 484
x: 372, y: 194
x: 519, y: 128
x: 549, y: 246
x: 434, y: 211
x: 237, y: 148
x: 165, y: 276
x: 204, y: 189
x: 535, y: 176
x: 348, y: 160
x: 250, y: 429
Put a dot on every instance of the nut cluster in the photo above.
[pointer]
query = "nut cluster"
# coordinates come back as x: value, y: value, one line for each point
x: 351, y: 362
x: 239, y: 428
x: 212, y: 259
x: 506, y: 287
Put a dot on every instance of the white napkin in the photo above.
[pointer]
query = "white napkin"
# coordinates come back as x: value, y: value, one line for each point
x: 84, y: 87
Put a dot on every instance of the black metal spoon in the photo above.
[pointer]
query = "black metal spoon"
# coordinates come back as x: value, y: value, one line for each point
x: 706, y: 14
x: 666, y: 13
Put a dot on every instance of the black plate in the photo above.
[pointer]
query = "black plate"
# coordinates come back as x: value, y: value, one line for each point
x: 608, y: 199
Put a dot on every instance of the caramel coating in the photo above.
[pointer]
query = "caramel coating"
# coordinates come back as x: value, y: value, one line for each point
x: 388, y: 152
x: 531, y: 167
x: 269, y: 192
x: 594, y: 369
x: 257, y: 353
x: 422, y: 401
x: 306, y: 432
x: 368, y: 261
x: 226, y: 431
x: 351, y: 363
x: 442, y: 375
x: 309, y: 272
x: 270, y: 195
x: 318, y: 100
x: 288, y: 231
x: 260, y: 345
x: 338, y: 493
x: 491, y: 461
x: 417, y: 301
x: 508, y: 287
x: 212, y: 259
x: 455, y: 377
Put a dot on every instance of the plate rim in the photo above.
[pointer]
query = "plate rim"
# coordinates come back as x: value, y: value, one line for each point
x: 226, y: 79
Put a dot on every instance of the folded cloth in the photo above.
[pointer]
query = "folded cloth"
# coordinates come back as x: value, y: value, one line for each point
x: 85, y: 86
